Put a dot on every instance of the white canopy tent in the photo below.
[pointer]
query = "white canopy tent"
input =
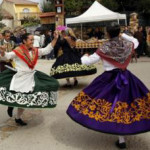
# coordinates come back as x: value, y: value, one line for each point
x: 96, y: 13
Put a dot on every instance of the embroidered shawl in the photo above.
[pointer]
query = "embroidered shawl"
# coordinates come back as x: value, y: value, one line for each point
x: 23, y: 53
x: 116, y: 51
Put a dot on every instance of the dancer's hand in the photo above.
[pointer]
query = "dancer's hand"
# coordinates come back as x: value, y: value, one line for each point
x: 86, y: 54
x: 56, y: 34
x: 3, y: 47
x: 2, y: 53
x: 2, y: 50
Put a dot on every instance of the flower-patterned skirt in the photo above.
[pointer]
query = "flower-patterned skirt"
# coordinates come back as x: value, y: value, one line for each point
x: 116, y: 102
x: 44, y: 94
x: 69, y: 65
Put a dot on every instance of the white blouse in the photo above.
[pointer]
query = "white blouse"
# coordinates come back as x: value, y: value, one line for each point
x: 37, y: 41
x: 94, y: 58
x: 23, y: 80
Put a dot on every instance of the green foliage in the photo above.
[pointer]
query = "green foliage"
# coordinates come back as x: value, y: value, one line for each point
x: 2, y: 25
x: 48, y: 6
x: 77, y: 7
x: 140, y: 6
x: 1, y: 17
x: 110, y: 4
x: 127, y: 5
x: 144, y: 6
x: 30, y: 21
x: 30, y: 24
x: 73, y: 6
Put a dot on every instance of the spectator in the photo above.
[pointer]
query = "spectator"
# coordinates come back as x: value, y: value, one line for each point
x: 144, y: 41
x: 37, y: 39
x: 126, y: 30
x: 98, y: 34
x: 1, y: 36
x: 48, y: 39
x: 139, y: 36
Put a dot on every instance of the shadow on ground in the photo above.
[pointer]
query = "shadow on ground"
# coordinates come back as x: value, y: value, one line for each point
x: 71, y: 134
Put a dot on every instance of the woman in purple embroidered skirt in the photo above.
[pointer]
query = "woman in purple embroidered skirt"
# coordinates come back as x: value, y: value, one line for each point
x: 116, y: 102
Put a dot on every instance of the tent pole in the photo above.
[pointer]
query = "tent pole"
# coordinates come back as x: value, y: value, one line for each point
x: 81, y: 31
x: 118, y: 21
x: 125, y: 22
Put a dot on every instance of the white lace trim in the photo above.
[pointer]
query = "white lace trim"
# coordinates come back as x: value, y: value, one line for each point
x: 42, y: 99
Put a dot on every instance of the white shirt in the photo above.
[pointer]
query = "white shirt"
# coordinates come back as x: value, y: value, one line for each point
x: 23, y: 80
x: 94, y: 58
x: 42, y: 39
x: 37, y: 41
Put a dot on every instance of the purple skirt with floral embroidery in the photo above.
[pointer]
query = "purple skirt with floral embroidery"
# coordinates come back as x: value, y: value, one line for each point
x: 116, y: 102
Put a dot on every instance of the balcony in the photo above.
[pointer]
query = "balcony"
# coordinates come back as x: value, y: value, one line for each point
x: 22, y: 15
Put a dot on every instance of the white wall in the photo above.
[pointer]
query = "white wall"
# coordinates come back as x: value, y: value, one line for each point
x: 8, y: 22
x: 37, y: 1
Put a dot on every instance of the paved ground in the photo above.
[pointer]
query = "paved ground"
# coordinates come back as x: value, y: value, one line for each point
x: 52, y: 129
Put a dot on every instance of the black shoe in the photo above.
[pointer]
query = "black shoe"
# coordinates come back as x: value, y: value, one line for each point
x: 121, y: 145
x: 75, y: 82
x: 20, y: 122
x: 67, y: 86
x: 10, y: 111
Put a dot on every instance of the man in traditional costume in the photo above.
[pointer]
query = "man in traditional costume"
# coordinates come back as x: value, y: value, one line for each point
x: 9, y: 46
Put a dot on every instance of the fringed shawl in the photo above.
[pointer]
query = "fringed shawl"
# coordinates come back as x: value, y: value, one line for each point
x: 23, y: 53
x: 116, y: 51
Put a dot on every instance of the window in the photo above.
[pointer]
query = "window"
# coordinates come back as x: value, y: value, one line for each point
x: 26, y: 10
x: 58, y: 9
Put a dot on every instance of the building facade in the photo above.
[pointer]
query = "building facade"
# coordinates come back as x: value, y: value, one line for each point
x: 20, y: 9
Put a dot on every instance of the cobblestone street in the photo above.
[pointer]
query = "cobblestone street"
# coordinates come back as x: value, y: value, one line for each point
x: 52, y: 129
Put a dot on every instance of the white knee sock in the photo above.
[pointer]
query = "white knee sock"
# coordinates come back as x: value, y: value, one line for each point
x: 121, y: 139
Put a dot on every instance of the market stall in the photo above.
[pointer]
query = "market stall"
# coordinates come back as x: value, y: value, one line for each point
x: 96, y: 13
x: 89, y: 45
